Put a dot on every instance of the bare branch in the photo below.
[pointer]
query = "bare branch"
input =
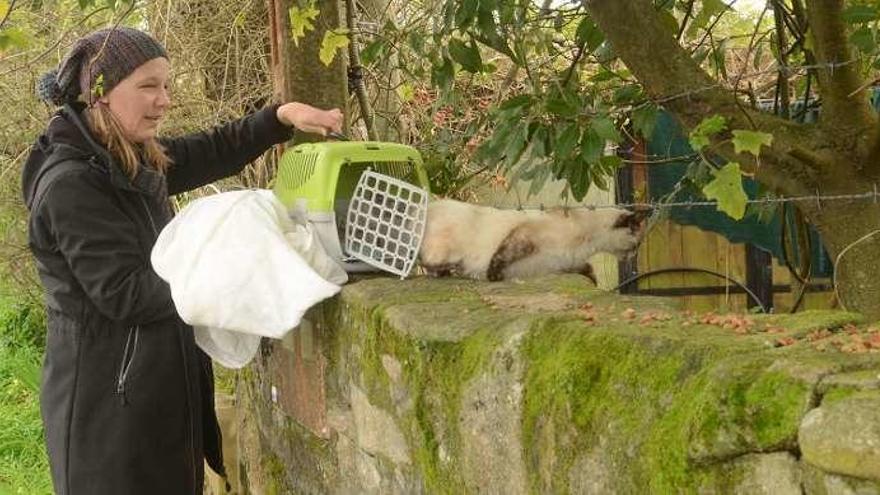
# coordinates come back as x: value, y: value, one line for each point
x: 354, y: 60
x: 687, y: 17
x: 783, y: 97
x: 727, y: 8
x: 8, y: 12
x: 51, y: 48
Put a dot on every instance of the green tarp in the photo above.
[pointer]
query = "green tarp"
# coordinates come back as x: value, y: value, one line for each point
x: 669, y: 141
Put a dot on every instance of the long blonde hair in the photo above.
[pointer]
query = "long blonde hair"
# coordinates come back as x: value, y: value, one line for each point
x: 109, y: 133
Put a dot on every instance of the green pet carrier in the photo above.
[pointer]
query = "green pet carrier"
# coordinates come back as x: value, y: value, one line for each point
x: 366, y: 200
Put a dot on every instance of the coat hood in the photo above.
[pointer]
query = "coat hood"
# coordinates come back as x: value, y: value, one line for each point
x: 68, y: 138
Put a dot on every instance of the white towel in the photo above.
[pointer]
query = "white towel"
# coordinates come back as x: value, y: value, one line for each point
x: 239, y: 268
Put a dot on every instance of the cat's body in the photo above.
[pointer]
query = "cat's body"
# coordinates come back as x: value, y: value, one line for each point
x: 487, y: 243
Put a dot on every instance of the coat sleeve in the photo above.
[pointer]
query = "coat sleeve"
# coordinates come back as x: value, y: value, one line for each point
x: 204, y: 157
x: 101, y: 247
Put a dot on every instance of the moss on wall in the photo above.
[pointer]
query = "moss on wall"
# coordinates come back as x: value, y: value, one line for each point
x: 644, y: 397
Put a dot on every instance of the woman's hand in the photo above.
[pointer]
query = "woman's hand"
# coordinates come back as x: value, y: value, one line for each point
x: 310, y: 119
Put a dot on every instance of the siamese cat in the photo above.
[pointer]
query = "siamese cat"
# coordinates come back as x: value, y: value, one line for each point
x: 482, y: 242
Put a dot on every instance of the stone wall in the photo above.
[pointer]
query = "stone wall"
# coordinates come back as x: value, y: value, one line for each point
x: 551, y: 386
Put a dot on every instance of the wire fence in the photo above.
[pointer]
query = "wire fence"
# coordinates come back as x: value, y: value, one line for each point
x: 873, y: 195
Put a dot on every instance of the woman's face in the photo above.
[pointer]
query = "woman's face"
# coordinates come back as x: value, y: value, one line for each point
x: 139, y: 101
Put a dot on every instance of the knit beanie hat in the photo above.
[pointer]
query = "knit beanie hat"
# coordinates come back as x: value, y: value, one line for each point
x: 97, y: 63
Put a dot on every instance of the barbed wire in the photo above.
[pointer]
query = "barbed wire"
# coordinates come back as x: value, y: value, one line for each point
x: 788, y: 69
x: 660, y: 205
x: 873, y: 195
x: 817, y: 198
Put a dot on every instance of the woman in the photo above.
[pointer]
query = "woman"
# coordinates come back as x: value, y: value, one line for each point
x: 127, y: 397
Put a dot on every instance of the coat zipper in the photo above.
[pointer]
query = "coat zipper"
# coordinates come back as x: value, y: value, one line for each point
x: 189, y: 389
x: 125, y: 365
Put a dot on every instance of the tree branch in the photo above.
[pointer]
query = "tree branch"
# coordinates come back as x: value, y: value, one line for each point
x: 354, y: 61
x: 671, y: 77
x: 687, y: 17
x: 847, y: 118
x: 7, y: 14
x: 782, y: 96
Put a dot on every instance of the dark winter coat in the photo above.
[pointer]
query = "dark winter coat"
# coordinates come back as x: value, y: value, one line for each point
x: 126, y: 397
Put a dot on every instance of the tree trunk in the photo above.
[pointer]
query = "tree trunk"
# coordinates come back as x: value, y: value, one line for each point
x: 830, y: 158
x: 297, y: 72
x: 853, y: 227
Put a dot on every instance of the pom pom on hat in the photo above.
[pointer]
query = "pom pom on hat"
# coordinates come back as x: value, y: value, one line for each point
x: 47, y: 88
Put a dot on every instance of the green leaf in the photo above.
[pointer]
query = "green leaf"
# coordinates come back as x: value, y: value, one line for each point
x: 592, y: 146
x: 405, y: 92
x: 488, y: 32
x: 538, y: 179
x: 333, y: 41
x: 442, y: 75
x: 559, y: 166
x: 490, y: 149
x: 4, y: 8
x: 605, y: 129
x: 516, y: 143
x: 516, y: 102
x: 627, y: 93
x: 600, y: 182
x: 603, y: 75
x: 539, y: 142
x: 579, y: 176
x: 534, y: 155
x: 727, y: 189
x: 610, y: 163
x: 301, y: 21
x: 373, y: 51
x: 750, y: 141
x: 467, y: 55
x: 858, y: 14
x: 467, y: 11
x: 604, y: 54
x: 588, y: 34
x: 758, y: 57
x: 447, y: 13
x: 565, y: 103
x: 644, y: 119
x: 98, y: 89
x: 566, y: 140
x: 699, y: 137
x: 863, y: 39
x: 240, y: 20
x: 719, y: 58
x: 557, y: 105
x: 507, y: 11
x: 710, y: 9
x: 700, y: 55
